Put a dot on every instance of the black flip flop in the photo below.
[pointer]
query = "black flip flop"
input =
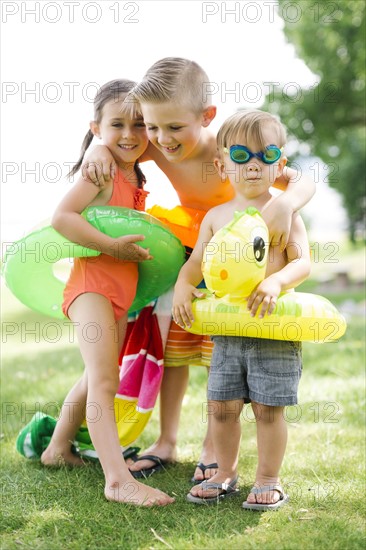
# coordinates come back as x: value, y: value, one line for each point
x: 131, y: 452
x: 203, y: 468
x: 159, y: 464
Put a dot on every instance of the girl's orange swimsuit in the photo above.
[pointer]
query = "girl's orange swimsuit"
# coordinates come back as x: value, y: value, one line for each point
x: 104, y: 274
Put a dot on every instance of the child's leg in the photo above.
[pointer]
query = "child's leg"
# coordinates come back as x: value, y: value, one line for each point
x: 226, y: 433
x: 172, y: 391
x: 173, y: 388
x: 207, y: 455
x: 72, y: 414
x: 271, y: 441
x: 100, y: 339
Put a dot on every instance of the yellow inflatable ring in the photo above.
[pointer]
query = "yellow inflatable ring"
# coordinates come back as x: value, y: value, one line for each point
x: 182, y: 221
x: 28, y: 264
x: 234, y: 263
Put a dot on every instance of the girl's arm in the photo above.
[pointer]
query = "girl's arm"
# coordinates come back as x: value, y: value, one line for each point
x: 190, y: 276
x: 68, y: 221
x: 291, y: 275
x: 278, y: 215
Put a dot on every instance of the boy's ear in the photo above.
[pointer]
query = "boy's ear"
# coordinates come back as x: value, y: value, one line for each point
x: 220, y: 167
x: 94, y: 128
x: 208, y: 115
x: 281, y: 165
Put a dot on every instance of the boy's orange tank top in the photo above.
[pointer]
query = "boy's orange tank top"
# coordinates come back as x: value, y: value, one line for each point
x: 104, y: 274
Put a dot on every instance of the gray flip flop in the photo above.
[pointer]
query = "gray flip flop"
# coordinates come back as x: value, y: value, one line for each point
x: 228, y: 490
x: 260, y: 507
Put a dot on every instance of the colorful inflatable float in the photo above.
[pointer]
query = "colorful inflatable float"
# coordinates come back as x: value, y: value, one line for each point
x: 29, y: 263
x: 28, y: 270
x: 234, y: 263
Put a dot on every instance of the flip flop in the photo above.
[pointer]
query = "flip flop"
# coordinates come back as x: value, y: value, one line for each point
x: 228, y: 490
x: 263, y: 507
x: 203, y: 467
x: 159, y: 464
x: 132, y: 453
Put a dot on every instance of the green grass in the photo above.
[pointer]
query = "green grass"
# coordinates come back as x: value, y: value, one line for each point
x: 323, y: 470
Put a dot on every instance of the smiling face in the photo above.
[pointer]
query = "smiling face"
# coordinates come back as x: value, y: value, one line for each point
x: 174, y: 129
x: 255, y: 177
x: 125, y: 136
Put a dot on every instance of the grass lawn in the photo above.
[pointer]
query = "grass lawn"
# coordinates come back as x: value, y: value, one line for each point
x: 323, y: 471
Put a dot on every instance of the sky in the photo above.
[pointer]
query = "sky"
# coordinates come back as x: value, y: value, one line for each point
x: 54, y: 55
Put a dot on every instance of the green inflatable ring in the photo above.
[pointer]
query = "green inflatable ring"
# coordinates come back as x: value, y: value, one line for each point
x: 28, y: 264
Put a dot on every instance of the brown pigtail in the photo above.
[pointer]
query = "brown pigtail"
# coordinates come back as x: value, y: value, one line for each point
x: 86, y: 142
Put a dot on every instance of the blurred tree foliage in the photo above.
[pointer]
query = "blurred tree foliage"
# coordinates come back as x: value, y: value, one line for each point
x: 329, y: 117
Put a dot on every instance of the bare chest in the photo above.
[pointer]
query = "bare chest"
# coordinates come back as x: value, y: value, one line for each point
x: 198, y: 185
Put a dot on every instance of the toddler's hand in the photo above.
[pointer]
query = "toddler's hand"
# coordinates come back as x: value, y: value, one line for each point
x: 264, y: 295
x: 182, y: 304
x: 125, y: 249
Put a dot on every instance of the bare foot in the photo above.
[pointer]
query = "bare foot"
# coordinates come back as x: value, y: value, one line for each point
x: 56, y: 458
x: 133, y: 492
x: 165, y: 451
x: 267, y: 497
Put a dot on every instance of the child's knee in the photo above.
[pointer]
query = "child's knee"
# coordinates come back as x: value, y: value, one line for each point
x: 106, y: 383
x: 266, y: 413
x: 225, y: 411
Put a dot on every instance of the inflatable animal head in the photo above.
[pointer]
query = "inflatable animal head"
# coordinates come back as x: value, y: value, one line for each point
x: 235, y: 259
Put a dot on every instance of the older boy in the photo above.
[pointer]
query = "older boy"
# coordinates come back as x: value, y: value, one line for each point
x: 177, y: 116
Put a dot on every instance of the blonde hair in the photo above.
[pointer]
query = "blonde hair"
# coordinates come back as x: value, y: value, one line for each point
x: 248, y: 125
x: 174, y: 79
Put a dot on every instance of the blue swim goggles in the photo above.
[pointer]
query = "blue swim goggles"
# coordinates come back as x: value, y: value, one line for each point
x: 241, y: 154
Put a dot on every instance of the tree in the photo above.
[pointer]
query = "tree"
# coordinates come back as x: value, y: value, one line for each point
x: 330, y: 117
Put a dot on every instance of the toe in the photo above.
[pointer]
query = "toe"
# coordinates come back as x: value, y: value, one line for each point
x: 210, y: 472
x: 141, y: 465
x: 269, y: 497
x: 194, y: 491
x: 251, y: 498
x: 198, y: 474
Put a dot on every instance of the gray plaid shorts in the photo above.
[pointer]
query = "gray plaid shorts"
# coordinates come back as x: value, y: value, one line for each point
x: 255, y: 369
